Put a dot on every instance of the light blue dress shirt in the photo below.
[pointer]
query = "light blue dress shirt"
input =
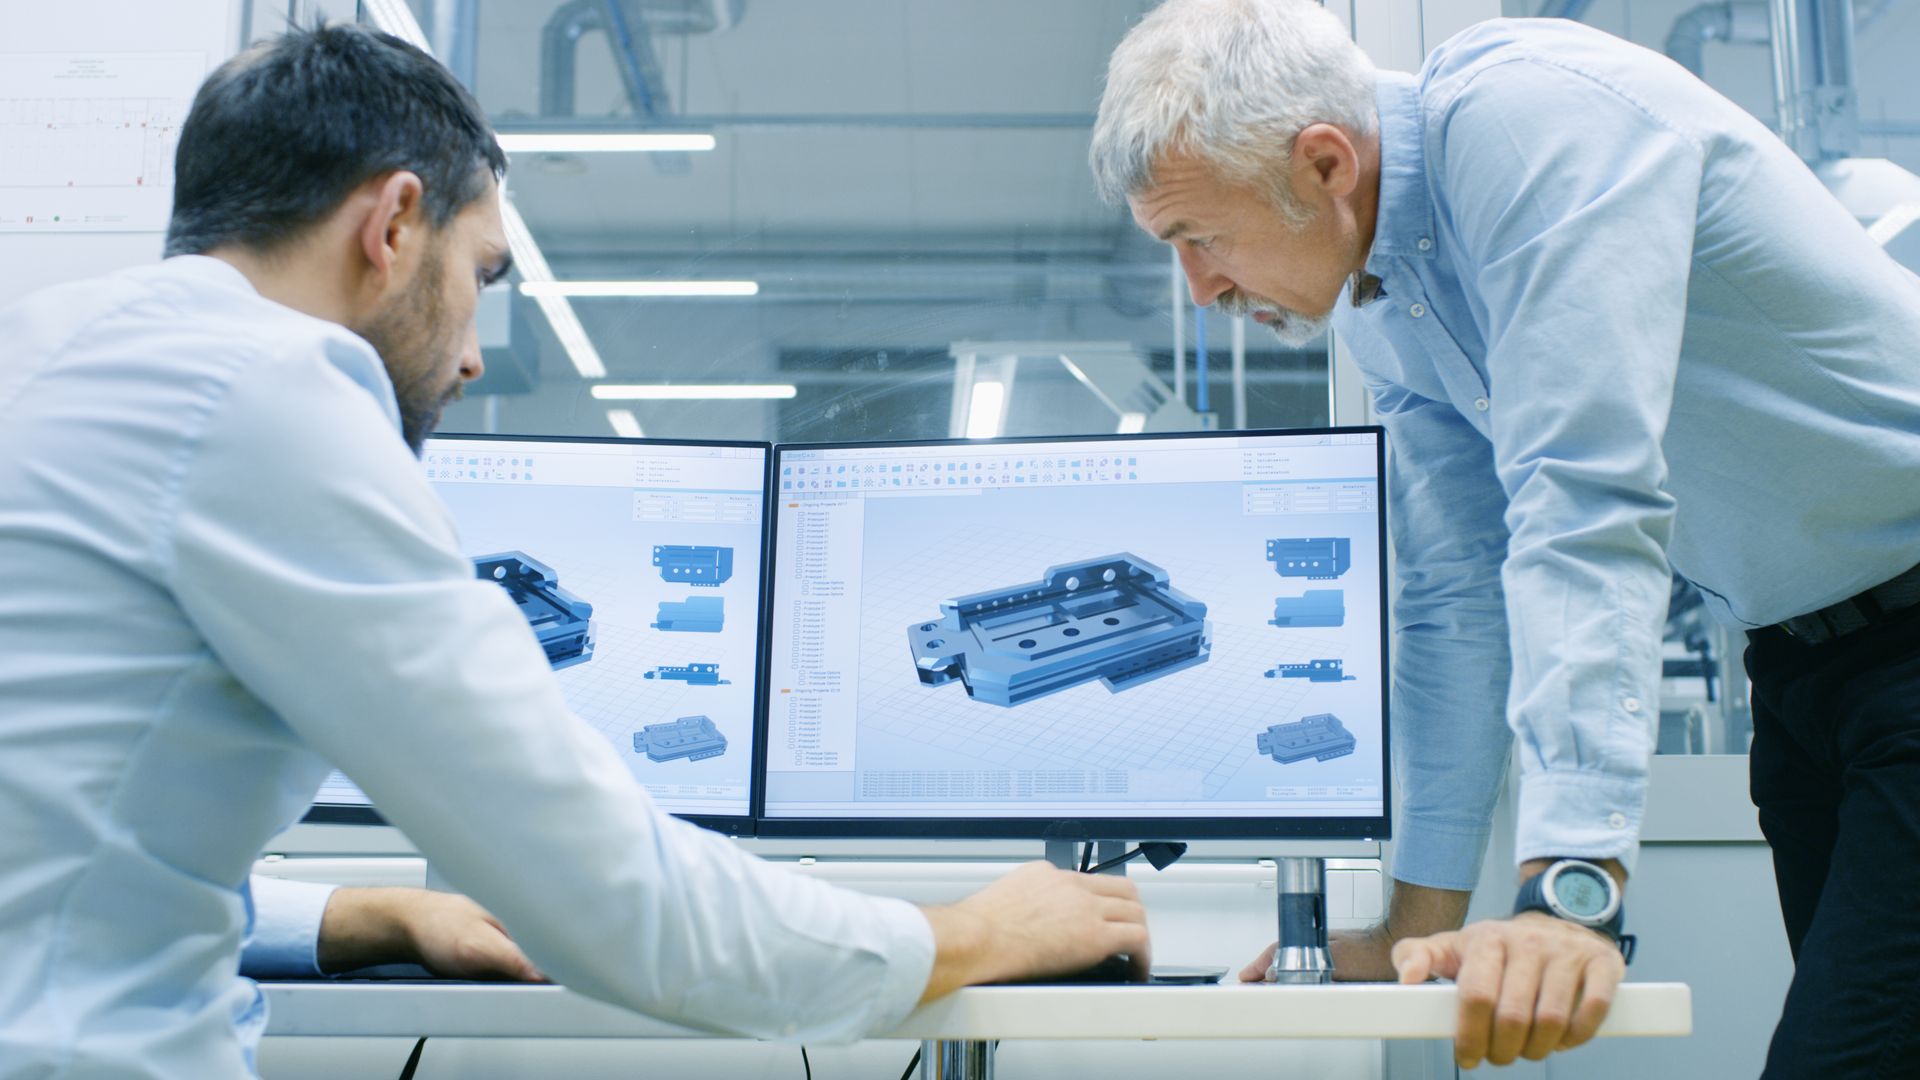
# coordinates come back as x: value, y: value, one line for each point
x: 223, y: 570
x: 1622, y: 328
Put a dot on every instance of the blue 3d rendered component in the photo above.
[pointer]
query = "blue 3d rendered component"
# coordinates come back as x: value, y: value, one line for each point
x: 691, y: 674
x: 696, y: 614
x: 1319, y: 607
x: 1312, y: 671
x: 1115, y: 619
x: 561, y: 621
x: 1320, y: 736
x: 1320, y: 558
x: 692, y: 737
x: 687, y: 565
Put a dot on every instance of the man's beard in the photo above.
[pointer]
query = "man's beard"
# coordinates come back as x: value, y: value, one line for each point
x: 415, y: 344
x: 1295, y: 331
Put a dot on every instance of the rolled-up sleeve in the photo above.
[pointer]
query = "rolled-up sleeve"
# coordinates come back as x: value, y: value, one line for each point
x: 1577, y: 205
x: 324, y: 572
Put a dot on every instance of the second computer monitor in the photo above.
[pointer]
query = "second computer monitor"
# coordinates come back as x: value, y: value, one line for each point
x: 1155, y: 637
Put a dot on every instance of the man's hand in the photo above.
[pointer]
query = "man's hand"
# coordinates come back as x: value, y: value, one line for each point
x: 447, y: 933
x: 1528, y: 985
x: 1366, y: 955
x: 1034, y: 922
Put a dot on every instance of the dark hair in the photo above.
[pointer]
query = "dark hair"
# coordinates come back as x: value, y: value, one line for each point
x: 279, y: 135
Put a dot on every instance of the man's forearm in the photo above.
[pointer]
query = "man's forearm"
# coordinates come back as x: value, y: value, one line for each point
x: 363, y: 927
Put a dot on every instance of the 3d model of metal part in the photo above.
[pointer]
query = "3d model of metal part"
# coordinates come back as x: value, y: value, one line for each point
x: 1319, y: 607
x: 687, y: 565
x: 1319, y: 558
x: 692, y: 737
x: 696, y: 614
x: 691, y: 674
x: 1312, y: 671
x: 1320, y: 736
x: 561, y: 621
x: 1116, y: 619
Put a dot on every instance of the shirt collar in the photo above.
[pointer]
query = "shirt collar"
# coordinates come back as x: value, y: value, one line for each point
x: 1403, y: 223
x: 211, y: 271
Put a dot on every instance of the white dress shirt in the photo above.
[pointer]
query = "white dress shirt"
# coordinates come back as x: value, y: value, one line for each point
x: 223, y: 571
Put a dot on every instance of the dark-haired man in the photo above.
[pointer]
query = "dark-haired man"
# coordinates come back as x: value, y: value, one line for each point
x: 225, y: 570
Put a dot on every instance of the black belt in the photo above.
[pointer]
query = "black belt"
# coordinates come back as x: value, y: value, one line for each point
x: 1838, y: 620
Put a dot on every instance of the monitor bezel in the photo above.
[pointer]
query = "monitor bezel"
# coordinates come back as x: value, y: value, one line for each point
x: 1092, y: 828
x: 741, y: 824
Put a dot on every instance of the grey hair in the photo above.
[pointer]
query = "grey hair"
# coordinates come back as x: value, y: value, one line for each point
x: 1232, y: 83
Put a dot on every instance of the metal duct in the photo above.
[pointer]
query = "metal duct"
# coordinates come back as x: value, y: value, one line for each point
x: 1731, y: 23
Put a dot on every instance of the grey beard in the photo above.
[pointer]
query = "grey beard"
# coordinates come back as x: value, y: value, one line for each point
x: 1295, y: 331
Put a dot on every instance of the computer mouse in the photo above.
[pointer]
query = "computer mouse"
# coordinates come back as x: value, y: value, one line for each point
x: 1117, y: 968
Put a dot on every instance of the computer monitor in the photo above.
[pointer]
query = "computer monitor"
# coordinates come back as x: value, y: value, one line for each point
x: 1156, y: 637
x: 639, y: 567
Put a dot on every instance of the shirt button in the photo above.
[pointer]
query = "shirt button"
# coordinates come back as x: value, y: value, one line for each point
x: 1417, y: 310
x: 1480, y: 403
x: 1631, y: 704
x: 1616, y: 820
x: 1425, y: 244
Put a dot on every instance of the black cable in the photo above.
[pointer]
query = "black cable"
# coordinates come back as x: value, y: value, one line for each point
x: 911, y: 1065
x: 805, y: 1064
x: 1086, y: 856
x: 413, y: 1059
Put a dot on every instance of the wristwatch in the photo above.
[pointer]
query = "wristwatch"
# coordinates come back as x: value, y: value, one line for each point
x: 1579, y: 892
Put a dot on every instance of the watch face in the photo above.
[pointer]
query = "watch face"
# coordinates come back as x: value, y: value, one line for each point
x: 1580, y: 892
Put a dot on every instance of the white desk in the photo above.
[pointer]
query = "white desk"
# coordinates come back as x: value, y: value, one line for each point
x: 971, y: 1016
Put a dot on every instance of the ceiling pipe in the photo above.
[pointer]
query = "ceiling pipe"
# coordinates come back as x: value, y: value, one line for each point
x: 1729, y: 23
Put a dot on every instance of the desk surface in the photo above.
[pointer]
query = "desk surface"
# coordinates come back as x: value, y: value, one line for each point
x: 1349, y: 1011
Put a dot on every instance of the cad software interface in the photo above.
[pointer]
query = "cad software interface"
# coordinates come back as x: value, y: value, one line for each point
x: 637, y: 568
x: 1178, y: 627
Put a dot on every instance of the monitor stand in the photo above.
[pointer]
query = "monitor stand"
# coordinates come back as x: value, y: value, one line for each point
x: 1065, y: 854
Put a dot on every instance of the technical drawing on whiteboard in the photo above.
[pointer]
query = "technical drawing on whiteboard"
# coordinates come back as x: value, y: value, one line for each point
x: 1116, y: 619
x: 691, y: 674
x: 1318, y: 558
x: 689, y: 565
x: 1319, y: 607
x: 87, y: 139
x: 695, y: 738
x: 561, y: 621
x: 1312, y: 671
x: 1320, y: 736
x: 694, y: 615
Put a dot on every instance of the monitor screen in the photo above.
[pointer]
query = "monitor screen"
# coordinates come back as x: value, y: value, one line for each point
x: 1125, y: 637
x: 638, y: 566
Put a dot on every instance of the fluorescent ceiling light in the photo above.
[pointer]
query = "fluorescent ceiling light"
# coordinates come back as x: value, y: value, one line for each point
x: 983, y: 413
x: 533, y: 268
x: 396, y: 18
x: 560, y: 142
x: 625, y: 424
x: 687, y: 392
x: 639, y: 288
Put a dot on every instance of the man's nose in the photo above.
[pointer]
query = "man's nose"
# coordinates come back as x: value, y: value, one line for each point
x: 1203, y: 281
x: 471, y: 365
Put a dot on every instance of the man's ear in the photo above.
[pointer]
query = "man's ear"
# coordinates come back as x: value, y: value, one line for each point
x: 394, y: 222
x: 1324, y: 157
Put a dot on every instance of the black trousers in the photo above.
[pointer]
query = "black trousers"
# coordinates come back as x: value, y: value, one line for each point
x: 1836, y: 777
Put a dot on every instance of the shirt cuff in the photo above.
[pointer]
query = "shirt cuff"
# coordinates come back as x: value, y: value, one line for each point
x: 1580, y: 815
x: 909, y: 963
x: 285, y: 943
x: 1439, y: 855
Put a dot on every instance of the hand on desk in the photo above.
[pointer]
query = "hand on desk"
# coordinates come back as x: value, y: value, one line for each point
x: 446, y: 933
x: 1529, y: 985
x: 1036, y: 921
